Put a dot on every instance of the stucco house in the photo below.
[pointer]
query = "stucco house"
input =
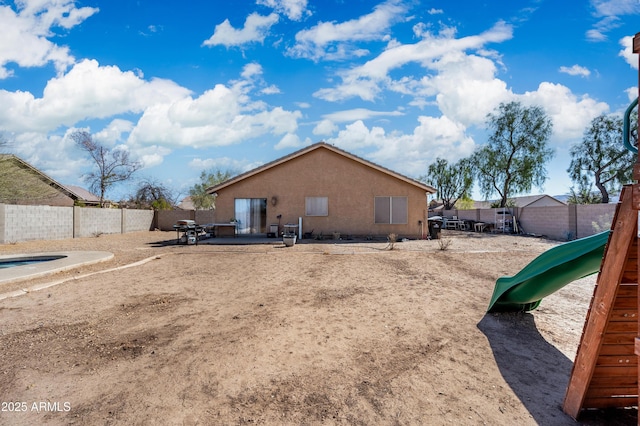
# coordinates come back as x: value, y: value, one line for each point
x: 327, y: 190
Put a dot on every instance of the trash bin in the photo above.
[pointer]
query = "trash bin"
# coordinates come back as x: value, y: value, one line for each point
x: 434, y: 229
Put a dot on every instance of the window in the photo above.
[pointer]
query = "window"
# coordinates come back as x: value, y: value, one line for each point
x: 391, y: 210
x: 316, y: 206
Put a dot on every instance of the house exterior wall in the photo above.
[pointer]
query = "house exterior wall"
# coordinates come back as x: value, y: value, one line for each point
x: 349, y: 185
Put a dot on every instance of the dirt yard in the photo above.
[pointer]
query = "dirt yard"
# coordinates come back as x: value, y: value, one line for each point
x: 331, y: 333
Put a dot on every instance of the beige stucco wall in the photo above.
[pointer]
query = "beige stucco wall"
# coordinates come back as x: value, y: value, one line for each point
x: 349, y: 185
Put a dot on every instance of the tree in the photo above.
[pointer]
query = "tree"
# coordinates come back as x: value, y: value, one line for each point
x: 452, y: 181
x: 198, y: 192
x: 584, y: 195
x: 601, y: 158
x: 514, y: 158
x: 113, y: 166
x: 152, y: 195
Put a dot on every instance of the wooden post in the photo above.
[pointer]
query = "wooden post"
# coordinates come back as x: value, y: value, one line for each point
x: 605, y: 371
x: 636, y: 199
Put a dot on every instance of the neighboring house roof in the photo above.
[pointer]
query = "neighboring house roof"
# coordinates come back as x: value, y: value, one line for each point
x: 17, y: 161
x: 186, y: 204
x: 524, y: 201
x: 320, y: 145
x: 74, y: 192
x: 83, y: 195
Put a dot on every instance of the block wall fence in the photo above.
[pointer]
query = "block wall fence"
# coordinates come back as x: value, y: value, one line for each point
x: 24, y: 223
x: 562, y: 223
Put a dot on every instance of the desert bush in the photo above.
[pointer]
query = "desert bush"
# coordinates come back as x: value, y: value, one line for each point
x: 444, y: 243
x: 392, y: 238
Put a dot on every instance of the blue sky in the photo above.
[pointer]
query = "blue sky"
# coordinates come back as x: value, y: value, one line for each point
x: 207, y: 84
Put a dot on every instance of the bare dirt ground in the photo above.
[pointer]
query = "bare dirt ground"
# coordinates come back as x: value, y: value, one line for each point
x: 318, y: 333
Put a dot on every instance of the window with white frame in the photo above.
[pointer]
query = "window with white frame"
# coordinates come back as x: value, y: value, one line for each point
x: 316, y: 206
x: 391, y: 210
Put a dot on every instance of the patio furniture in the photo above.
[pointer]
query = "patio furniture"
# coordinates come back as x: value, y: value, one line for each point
x: 479, y: 226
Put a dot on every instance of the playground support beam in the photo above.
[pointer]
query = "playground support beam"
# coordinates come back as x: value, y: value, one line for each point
x: 636, y: 201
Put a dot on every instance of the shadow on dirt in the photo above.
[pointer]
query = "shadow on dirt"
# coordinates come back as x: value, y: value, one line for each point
x: 537, y: 372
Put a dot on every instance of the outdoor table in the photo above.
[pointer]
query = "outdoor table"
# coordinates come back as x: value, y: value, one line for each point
x: 479, y: 226
x: 217, y: 226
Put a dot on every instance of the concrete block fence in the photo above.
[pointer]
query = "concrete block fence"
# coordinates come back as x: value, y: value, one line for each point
x: 24, y: 223
x: 165, y: 219
x: 562, y: 223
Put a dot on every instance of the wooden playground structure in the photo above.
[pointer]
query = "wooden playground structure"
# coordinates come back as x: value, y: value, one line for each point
x: 605, y: 370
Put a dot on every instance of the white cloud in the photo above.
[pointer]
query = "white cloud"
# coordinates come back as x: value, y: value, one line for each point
x: 150, y: 156
x: 609, y: 12
x: 409, y: 154
x: 575, y: 70
x: 290, y: 140
x: 293, y: 9
x: 368, y: 80
x: 358, y: 114
x: 256, y: 28
x: 223, y: 163
x: 114, y: 131
x: 26, y: 32
x: 434, y: 11
x: 325, y: 128
x: 570, y: 114
x: 271, y: 90
x: 220, y: 116
x: 88, y: 90
x: 330, y: 40
x: 627, y: 51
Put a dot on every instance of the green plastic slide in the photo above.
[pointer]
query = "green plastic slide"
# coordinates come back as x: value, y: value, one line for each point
x: 548, y: 273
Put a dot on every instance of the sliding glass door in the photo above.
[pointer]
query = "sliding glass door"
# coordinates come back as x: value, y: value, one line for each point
x: 251, y: 214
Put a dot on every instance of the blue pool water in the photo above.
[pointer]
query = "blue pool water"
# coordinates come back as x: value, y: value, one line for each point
x: 26, y: 260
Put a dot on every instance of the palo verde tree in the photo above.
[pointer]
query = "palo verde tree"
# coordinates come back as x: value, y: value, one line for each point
x: 514, y: 158
x: 198, y: 192
x: 451, y: 181
x: 111, y: 165
x: 601, y: 159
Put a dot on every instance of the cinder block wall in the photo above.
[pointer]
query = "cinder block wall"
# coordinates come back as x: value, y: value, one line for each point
x: 599, y: 214
x: 557, y: 222
x: 165, y: 219
x: 550, y: 221
x: 205, y: 216
x: 137, y: 220
x: 89, y: 222
x: 24, y: 223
